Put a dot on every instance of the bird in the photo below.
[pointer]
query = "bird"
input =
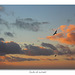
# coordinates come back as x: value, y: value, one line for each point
x: 55, y: 55
x: 55, y: 32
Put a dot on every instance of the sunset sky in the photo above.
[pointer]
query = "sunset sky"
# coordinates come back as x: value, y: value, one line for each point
x: 27, y: 40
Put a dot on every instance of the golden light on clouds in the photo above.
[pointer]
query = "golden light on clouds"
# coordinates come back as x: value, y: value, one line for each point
x: 67, y: 35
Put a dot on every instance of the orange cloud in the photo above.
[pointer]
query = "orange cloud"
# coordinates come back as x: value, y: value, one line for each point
x: 25, y: 49
x: 67, y: 35
x: 41, y: 47
x: 71, y: 28
x: 62, y: 27
x: 8, y: 41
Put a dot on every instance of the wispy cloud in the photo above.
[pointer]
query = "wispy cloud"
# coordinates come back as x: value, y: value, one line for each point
x: 20, y: 59
x: 16, y: 59
x: 28, y: 24
x: 9, y: 34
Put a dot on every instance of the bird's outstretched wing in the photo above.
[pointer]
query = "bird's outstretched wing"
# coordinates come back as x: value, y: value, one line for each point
x: 55, y: 32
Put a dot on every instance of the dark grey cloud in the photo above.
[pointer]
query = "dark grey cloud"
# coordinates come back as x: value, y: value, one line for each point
x: 49, y: 46
x: 21, y: 23
x: 16, y: 59
x: 10, y: 48
x: 64, y: 49
x: 19, y: 59
x: 60, y: 49
x: 29, y: 19
x: 52, y: 47
x: 35, y: 50
x: 9, y: 34
x: 45, y: 22
x: 48, y: 49
x: 1, y: 39
x: 28, y: 24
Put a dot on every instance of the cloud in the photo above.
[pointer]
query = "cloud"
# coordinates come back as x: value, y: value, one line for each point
x: 45, y: 22
x: 47, y: 49
x: 29, y: 19
x: 20, y: 23
x: 67, y: 35
x: 16, y: 59
x: 60, y: 49
x: 10, y: 48
x: 9, y: 34
x: 19, y: 59
x: 36, y: 50
x: 64, y: 49
x: 28, y: 24
x: 1, y: 39
x: 54, y: 48
x: 49, y: 46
